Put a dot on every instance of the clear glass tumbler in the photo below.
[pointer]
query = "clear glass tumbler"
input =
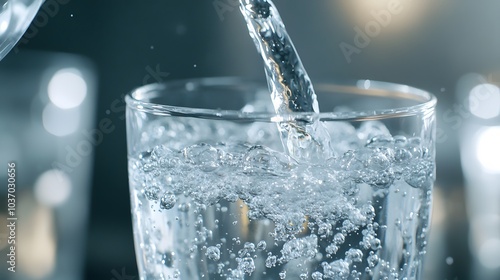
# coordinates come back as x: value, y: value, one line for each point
x: 215, y: 196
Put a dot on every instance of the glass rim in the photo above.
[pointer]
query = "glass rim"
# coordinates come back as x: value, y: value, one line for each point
x: 427, y: 101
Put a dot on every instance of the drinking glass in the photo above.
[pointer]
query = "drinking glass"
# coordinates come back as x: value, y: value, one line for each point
x: 215, y: 196
x: 15, y: 18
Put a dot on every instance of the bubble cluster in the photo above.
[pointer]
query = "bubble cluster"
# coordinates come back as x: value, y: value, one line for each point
x: 168, y: 201
x: 338, y: 269
x: 305, y: 247
x: 323, y: 218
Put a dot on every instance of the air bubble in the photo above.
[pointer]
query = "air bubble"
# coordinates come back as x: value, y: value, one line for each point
x: 338, y: 269
x: 402, y: 155
x: 332, y: 249
x: 305, y: 247
x: 354, y: 255
x: 261, y: 245
x: 420, y: 175
x: 375, y: 244
x: 262, y: 160
x: 213, y: 253
x: 317, y: 275
x: 203, y: 155
x: 250, y: 247
x: 168, y: 201
x: 350, y: 162
x: 378, y: 161
x: 271, y: 261
x: 380, y: 141
x: 372, y: 260
x: 246, y: 265
x: 371, y: 129
x: 152, y: 192
x: 184, y: 207
x: 339, y: 239
x: 400, y: 141
x: 294, y: 200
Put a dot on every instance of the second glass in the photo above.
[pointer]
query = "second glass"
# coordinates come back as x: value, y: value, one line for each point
x: 214, y: 195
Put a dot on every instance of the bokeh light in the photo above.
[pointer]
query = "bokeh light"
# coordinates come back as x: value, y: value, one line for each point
x: 60, y: 122
x: 489, y: 253
x: 488, y: 149
x: 484, y: 101
x: 53, y: 187
x: 67, y: 88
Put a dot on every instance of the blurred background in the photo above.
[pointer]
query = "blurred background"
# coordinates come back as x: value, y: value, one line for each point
x: 101, y: 50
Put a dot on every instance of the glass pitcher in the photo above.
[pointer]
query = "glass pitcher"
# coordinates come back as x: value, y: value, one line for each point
x: 15, y: 18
